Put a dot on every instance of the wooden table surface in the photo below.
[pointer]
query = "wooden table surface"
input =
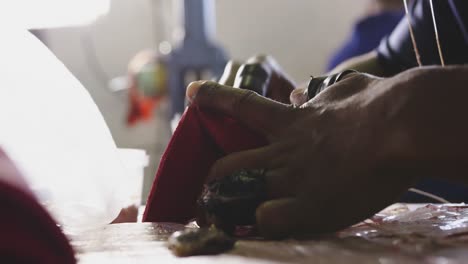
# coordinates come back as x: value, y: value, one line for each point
x: 145, y: 243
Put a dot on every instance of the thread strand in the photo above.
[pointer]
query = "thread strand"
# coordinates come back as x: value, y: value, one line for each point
x: 413, y: 38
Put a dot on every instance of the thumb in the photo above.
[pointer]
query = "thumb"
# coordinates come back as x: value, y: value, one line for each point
x: 257, y: 112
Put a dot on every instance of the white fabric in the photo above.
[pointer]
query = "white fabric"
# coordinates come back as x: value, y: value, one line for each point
x: 54, y: 132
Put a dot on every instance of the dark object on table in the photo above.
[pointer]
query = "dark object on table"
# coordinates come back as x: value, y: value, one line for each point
x: 200, y: 241
x: 231, y: 201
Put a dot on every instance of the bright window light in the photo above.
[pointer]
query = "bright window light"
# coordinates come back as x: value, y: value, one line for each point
x: 34, y: 14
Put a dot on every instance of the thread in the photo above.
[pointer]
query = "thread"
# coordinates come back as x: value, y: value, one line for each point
x: 413, y: 38
x: 439, y: 47
x: 430, y: 195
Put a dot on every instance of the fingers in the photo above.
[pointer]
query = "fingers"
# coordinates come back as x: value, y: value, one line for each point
x: 280, y: 218
x: 259, y: 113
x: 299, y: 96
x: 280, y: 183
x: 280, y: 88
x: 260, y: 158
x: 229, y: 73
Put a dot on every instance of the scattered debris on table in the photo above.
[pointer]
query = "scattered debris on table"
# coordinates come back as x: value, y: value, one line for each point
x: 199, y: 241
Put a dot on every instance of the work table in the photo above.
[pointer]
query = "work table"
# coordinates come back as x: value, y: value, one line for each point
x: 393, y: 236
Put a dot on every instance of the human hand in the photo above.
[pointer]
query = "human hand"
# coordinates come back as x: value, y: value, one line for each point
x: 328, y: 162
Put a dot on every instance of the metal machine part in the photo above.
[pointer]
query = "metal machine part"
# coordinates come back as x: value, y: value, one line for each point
x: 197, y: 55
x: 229, y: 75
x: 318, y: 84
x: 254, y: 77
x: 263, y: 75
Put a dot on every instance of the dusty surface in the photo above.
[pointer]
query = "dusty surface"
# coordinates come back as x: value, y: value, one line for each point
x: 400, y: 235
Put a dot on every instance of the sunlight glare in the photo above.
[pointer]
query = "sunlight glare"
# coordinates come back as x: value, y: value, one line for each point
x: 36, y: 14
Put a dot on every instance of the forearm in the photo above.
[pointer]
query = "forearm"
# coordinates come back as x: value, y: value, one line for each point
x: 367, y: 63
x: 429, y: 112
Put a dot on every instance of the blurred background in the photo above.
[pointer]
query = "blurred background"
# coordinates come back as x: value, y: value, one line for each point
x: 97, y: 40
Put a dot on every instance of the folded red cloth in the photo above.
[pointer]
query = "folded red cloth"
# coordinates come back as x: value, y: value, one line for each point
x: 28, y: 234
x: 200, y: 139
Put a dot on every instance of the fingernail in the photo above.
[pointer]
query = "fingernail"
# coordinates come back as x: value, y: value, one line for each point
x: 298, y: 96
x: 192, y: 90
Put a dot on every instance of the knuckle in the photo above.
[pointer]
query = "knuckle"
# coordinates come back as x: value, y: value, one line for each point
x: 290, y: 114
x: 245, y: 97
x: 208, y: 88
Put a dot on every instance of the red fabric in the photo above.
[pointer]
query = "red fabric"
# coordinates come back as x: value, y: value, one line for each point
x: 27, y: 232
x: 201, y: 138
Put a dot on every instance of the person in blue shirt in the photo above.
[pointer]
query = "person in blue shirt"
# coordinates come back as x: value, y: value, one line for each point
x: 339, y: 157
x: 379, y: 20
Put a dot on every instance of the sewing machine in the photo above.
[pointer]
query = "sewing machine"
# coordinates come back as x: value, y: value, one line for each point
x: 197, y: 54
